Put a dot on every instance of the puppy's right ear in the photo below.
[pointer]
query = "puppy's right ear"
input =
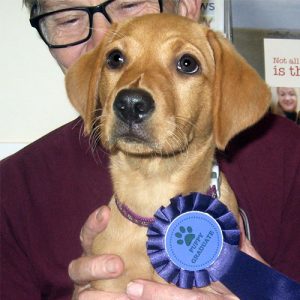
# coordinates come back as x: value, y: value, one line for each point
x: 82, y: 81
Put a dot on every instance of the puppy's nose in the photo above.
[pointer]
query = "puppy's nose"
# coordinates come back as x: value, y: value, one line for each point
x: 133, y: 105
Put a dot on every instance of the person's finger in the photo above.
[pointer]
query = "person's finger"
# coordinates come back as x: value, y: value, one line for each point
x: 89, y: 268
x: 95, y: 224
x: 246, y: 246
x: 242, y: 231
x: 97, y: 295
x: 148, y: 290
x: 221, y: 289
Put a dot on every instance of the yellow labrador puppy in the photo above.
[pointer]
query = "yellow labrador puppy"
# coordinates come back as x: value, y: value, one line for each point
x: 162, y: 93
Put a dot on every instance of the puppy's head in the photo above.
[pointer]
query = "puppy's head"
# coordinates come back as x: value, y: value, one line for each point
x: 158, y: 91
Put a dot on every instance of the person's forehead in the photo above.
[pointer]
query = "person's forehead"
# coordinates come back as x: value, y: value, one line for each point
x: 49, y: 4
x: 286, y: 89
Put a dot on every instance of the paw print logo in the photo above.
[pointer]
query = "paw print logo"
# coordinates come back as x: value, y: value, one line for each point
x: 185, y: 235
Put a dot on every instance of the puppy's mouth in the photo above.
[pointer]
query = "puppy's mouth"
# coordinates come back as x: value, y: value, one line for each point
x: 131, y: 133
x: 139, y: 139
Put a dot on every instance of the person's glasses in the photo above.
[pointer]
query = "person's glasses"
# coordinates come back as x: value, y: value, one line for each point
x: 73, y: 26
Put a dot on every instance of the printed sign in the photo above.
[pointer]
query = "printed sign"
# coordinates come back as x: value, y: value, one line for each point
x: 212, y: 14
x: 282, y: 62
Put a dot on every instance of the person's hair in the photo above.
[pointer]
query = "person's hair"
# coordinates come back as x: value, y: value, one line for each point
x: 30, y: 3
x: 33, y: 6
x: 37, y: 4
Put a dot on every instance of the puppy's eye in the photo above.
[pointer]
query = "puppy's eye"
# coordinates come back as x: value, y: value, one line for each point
x: 188, y: 64
x: 115, y: 59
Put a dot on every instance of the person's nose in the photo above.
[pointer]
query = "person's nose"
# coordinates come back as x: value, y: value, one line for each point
x: 100, y: 26
x: 288, y: 97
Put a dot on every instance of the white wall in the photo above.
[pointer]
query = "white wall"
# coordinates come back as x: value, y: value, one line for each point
x: 32, y: 94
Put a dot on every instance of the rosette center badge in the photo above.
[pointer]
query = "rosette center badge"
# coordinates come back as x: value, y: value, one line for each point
x: 193, y: 241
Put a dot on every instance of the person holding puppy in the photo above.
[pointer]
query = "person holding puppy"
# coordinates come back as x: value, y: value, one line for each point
x: 51, y: 186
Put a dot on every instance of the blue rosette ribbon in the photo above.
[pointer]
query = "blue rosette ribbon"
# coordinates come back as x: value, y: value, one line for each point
x: 195, y: 241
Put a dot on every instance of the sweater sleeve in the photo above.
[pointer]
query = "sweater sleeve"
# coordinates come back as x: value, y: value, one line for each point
x: 48, y: 189
x: 263, y: 168
x: 287, y: 259
x: 18, y: 279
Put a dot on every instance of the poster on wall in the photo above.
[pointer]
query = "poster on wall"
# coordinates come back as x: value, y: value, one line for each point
x: 267, y: 35
x: 216, y: 14
x: 282, y: 73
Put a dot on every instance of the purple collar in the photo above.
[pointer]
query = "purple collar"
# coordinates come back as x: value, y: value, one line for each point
x: 146, y: 221
x: 213, y: 191
x: 132, y: 216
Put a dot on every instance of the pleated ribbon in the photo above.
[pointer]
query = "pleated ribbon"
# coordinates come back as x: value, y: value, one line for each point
x: 243, y: 275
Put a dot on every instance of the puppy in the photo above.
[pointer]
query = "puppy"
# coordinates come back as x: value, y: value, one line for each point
x: 161, y: 101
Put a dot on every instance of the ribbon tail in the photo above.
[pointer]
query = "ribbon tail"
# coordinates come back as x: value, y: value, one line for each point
x: 250, y: 279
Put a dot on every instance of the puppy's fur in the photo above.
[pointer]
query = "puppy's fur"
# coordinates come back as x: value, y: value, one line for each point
x: 171, y: 150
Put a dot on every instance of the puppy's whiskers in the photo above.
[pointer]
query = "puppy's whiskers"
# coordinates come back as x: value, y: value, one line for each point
x: 185, y: 121
x: 179, y: 141
x: 95, y: 135
x: 113, y: 35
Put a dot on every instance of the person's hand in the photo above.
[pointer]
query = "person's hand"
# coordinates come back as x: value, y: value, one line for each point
x: 89, y: 267
x: 246, y: 246
x: 148, y: 290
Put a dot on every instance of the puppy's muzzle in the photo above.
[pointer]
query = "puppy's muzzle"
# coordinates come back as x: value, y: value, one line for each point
x: 133, y: 106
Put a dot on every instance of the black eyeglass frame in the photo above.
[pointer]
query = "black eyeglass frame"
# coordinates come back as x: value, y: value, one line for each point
x: 91, y: 10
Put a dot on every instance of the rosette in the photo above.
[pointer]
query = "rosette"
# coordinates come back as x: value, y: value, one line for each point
x: 192, y: 239
x: 194, y: 242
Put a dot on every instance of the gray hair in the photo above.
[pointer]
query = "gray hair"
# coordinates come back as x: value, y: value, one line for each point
x: 33, y: 6
x: 30, y: 3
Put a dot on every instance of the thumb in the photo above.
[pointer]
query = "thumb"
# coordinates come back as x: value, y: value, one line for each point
x: 94, y: 225
x: 149, y: 290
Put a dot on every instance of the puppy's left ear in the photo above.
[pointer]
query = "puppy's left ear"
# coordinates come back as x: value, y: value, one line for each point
x: 241, y: 97
x: 82, y: 81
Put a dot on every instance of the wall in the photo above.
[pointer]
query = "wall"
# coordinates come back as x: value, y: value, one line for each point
x: 32, y: 95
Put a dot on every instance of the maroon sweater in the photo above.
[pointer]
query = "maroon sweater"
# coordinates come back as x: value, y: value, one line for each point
x: 49, y: 188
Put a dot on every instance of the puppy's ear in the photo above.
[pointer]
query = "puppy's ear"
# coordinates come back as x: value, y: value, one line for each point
x: 82, y: 86
x: 241, y: 97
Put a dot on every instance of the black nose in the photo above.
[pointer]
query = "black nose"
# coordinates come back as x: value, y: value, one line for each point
x: 133, y: 105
